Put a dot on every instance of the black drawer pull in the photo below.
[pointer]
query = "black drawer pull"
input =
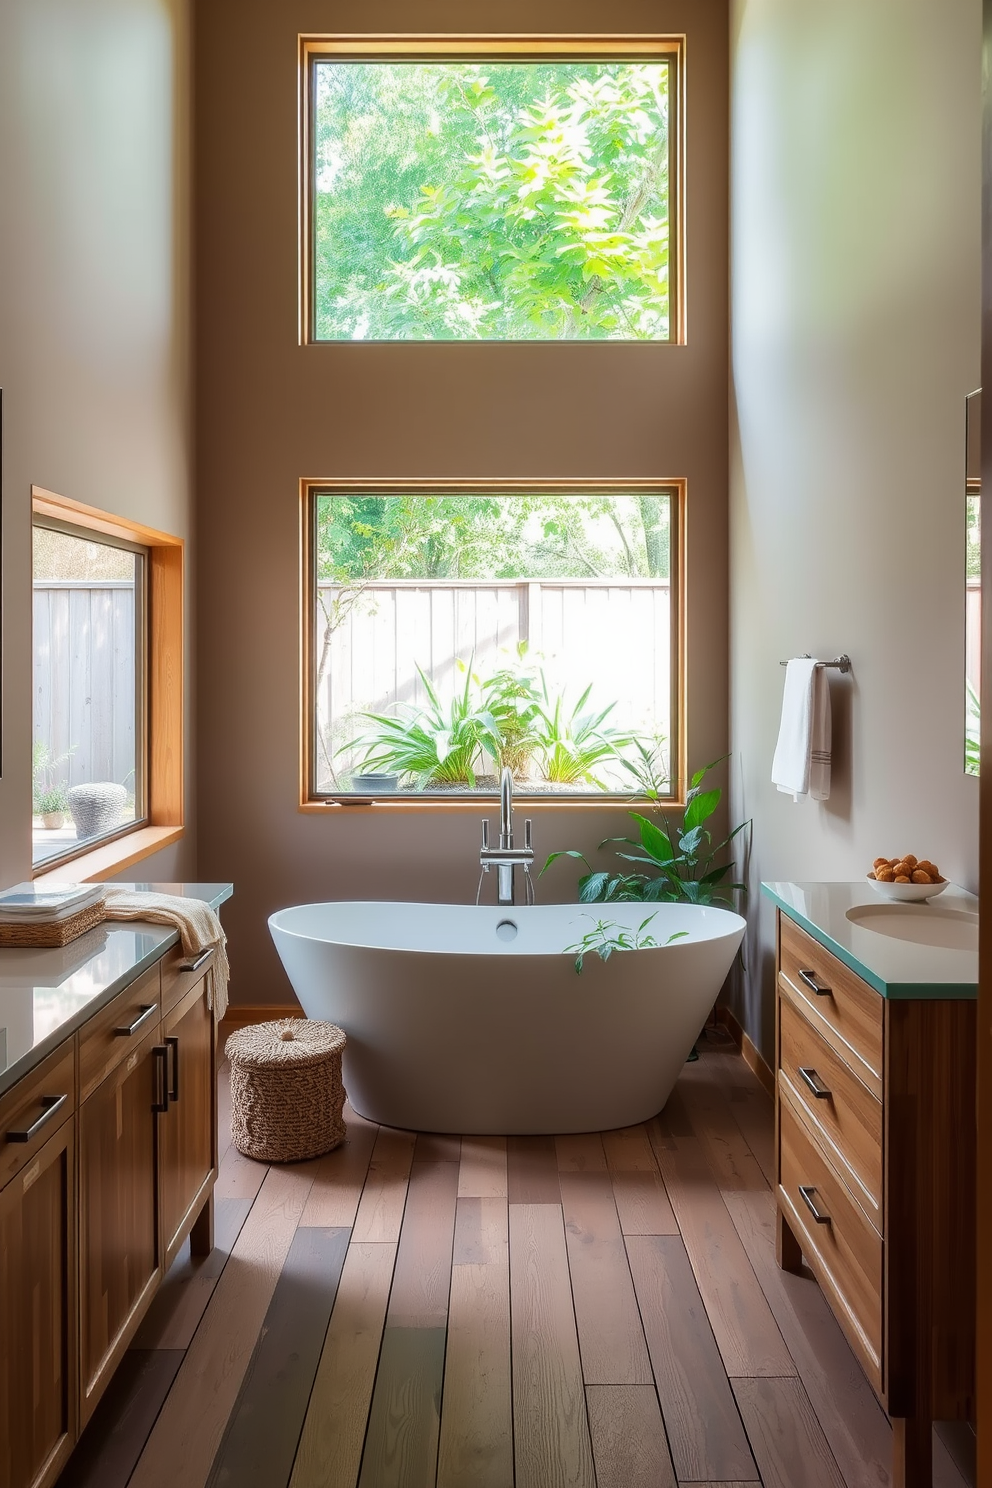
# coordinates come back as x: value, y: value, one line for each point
x: 193, y: 963
x: 173, y: 1043
x: 161, y: 1101
x: 146, y: 1011
x: 52, y: 1103
x: 813, y: 982
x: 812, y: 1079
x: 806, y: 1192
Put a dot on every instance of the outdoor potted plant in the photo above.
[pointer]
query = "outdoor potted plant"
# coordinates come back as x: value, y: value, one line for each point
x: 52, y: 806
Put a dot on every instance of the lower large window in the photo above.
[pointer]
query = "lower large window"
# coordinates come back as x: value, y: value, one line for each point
x: 453, y: 631
x: 88, y: 761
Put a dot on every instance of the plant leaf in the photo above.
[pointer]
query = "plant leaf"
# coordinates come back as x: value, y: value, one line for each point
x: 700, y: 808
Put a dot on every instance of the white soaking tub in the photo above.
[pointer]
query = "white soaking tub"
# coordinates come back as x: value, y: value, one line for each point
x: 466, y: 1018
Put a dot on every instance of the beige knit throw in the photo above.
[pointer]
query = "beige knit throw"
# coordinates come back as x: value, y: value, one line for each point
x: 199, y: 929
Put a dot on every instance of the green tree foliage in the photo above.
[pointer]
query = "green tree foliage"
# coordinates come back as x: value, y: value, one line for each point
x: 360, y: 538
x: 491, y: 201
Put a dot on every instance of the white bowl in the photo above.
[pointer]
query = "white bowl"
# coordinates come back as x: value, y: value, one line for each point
x: 907, y: 891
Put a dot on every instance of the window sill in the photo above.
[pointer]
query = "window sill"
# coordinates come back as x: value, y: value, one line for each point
x: 102, y: 863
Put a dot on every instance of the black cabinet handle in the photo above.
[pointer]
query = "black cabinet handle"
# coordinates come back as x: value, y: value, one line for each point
x: 193, y: 963
x: 806, y: 1192
x: 146, y: 1011
x: 173, y: 1043
x: 161, y: 1101
x: 813, y: 982
x: 52, y: 1103
x: 813, y: 1081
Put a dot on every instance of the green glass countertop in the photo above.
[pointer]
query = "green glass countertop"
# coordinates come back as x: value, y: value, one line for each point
x: 895, y: 967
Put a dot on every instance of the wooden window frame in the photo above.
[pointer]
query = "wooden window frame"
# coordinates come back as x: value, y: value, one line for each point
x: 164, y: 820
x: 405, y: 46
x: 311, y: 487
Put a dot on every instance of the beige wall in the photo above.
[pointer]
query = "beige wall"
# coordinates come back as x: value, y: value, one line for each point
x: 270, y: 411
x: 856, y: 134
x: 94, y: 306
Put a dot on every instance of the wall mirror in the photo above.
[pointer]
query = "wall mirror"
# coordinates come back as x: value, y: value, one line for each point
x: 973, y: 581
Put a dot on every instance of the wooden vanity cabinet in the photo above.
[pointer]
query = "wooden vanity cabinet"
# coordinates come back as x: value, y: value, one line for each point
x: 187, y: 1131
x: 875, y: 1151
x: 97, y: 1194
x: 38, y: 1397
x: 120, y: 1255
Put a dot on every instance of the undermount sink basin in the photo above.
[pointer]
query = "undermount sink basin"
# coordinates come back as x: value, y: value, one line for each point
x: 921, y: 923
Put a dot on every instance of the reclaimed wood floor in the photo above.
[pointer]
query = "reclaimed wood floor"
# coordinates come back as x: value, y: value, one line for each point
x: 601, y: 1311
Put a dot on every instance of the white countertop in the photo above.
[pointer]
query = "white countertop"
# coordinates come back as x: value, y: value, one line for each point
x: 895, y: 967
x: 46, y: 994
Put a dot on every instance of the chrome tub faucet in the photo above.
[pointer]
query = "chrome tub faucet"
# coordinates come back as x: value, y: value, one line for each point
x: 506, y: 858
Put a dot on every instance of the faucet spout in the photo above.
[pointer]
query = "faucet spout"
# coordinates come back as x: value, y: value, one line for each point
x: 506, y: 857
x: 506, y: 808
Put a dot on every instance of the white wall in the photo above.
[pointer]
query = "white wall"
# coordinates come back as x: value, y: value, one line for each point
x: 94, y: 308
x: 855, y: 284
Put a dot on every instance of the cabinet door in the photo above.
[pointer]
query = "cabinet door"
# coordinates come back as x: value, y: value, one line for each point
x: 188, y: 1130
x: 119, y: 1259
x: 38, y: 1317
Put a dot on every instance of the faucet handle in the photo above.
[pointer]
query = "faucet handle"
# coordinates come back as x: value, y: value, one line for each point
x: 485, y: 833
x: 528, y: 835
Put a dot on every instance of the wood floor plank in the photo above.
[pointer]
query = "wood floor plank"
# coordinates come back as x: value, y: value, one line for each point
x: 629, y: 1445
x: 337, y: 1188
x: 552, y: 1447
x: 380, y: 1212
x: 106, y: 1452
x: 643, y: 1204
x: 482, y: 1170
x: 480, y: 1232
x: 330, y: 1450
x: 401, y: 1444
x: 532, y: 1170
x: 181, y: 1300
x: 476, y: 1445
x: 611, y: 1342
x: 201, y: 1400
x: 437, y: 1147
x: 733, y: 1164
x: 746, y: 1332
x: 239, y: 1177
x: 264, y: 1427
x: 705, y: 1435
x: 844, y: 1402
x: 582, y: 1153
x: 421, y: 1279
x: 785, y: 1435
x: 628, y: 1150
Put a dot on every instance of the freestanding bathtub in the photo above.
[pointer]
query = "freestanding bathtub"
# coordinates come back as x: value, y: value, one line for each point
x: 465, y: 1018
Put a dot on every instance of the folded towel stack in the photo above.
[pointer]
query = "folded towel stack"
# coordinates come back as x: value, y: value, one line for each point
x: 199, y: 930
x: 801, y: 765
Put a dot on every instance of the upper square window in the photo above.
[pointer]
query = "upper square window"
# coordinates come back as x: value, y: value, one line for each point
x: 492, y: 196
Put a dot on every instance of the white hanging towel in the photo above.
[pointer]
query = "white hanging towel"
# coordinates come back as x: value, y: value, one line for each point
x: 802, y: 755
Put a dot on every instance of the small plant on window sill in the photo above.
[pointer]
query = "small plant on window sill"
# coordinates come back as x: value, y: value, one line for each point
x: 607, y: 936
x: 676, y: 863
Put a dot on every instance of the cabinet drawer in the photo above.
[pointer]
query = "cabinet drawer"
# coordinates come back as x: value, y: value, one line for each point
x: 843, y: 1248
x: 118, y: 1029
x: 35, y: 1108
x: 846, y: 1115
x: 179, y: 975
x: 840, y: 1006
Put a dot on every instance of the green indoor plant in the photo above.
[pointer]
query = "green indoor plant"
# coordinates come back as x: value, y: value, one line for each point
x: 673, y: 861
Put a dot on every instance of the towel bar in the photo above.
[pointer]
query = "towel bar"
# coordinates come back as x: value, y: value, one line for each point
x: 842, y: 663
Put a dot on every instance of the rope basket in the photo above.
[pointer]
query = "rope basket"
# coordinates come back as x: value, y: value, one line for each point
x: 286, y: 1092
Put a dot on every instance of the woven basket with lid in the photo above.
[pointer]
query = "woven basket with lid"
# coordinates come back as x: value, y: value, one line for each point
x: 286, y: 1092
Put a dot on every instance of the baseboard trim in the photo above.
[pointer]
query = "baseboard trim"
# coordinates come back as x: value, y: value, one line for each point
x: 239, y: 1015
x: 750, y: 1053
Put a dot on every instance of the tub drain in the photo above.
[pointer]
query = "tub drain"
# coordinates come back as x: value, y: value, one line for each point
x: 506, y: 930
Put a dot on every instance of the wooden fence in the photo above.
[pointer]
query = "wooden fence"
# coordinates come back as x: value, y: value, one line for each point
x: 84, y: 637
x: 613, y: 633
